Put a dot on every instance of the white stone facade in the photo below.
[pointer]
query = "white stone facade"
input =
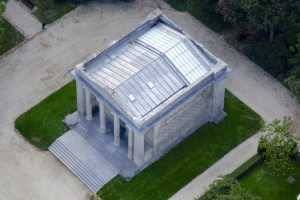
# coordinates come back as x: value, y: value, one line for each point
x: 152, y: 126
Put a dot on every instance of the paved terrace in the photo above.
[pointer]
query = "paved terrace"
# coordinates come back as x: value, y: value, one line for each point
x: 42, y: 65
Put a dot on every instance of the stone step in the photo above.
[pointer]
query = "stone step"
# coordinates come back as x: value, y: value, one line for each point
x: 76, y: 167
x: 83, y: 160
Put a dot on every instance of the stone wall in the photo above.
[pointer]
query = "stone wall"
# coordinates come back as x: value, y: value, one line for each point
x: 188, y: 117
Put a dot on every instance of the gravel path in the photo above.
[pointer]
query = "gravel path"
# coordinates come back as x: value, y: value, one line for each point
x: 42, y: 65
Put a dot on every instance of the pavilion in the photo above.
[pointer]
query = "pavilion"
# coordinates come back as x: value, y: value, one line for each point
x: 143, y: 95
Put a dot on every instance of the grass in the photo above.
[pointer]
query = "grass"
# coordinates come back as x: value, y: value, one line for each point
x: 269, y: 187
x: 50, y: 10
x: 247, y: 166
x: 10, y: 38
x: 42, y: 124
x: 188, y: 159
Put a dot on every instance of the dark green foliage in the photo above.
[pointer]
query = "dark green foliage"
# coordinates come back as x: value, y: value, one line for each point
x: 272, y: 57
x: 179, y: 5
x: 9, y: 36
x: 2, y: 7
x: 204, y: 10
x: 268, y: 16
x: 293, y: 80
x: 43, y: 123
x: 228, y: 189
x: 49, y: 10
x: 189, y: 158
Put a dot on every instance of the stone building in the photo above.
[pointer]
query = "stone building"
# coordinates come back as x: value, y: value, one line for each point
x: 146, y: 93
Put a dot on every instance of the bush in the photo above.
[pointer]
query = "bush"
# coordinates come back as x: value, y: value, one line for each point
x: 204, y: 10
x: 272, y: 57
x: 227, y: 189
x: 268, y: 16
x: 277, y: 146
x: 293, y: 80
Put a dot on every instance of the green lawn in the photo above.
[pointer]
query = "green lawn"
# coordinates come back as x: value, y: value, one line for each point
x: 261, y: 182
x: 42, y: 124
x: 188, y: 159
x: 11, y: 37
x: 50, y: 10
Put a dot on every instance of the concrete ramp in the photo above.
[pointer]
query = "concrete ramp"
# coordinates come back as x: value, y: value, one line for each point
x: 83, y: 160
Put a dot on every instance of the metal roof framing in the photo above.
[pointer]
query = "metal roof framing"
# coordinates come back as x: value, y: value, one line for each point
x: 147, y: 67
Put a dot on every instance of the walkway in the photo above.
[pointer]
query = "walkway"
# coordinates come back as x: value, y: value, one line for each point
x: 42, y: 65
x: 224, y: 166
x: 20, y: 17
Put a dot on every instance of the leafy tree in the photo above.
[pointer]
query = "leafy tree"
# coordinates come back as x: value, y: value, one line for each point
x: 293, y: 80
x: 228, y: 189
x: 268, y: 16
x: 2, y: 9
x: 278, y: 146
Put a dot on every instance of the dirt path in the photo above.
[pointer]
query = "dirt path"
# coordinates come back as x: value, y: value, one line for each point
x: 42, y: 65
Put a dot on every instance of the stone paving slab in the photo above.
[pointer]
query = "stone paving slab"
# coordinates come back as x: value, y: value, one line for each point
x: 21, y: 18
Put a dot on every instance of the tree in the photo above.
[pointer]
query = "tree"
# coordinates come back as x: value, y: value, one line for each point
x: 2, y: 9
x: 263, y: 15
x: 277, y: 146
x: 227, y: 188
x: 293, y: 80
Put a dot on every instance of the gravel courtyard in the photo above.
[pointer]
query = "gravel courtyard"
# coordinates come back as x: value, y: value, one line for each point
x: 42, y: 65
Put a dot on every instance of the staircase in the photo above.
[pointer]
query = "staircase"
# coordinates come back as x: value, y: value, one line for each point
x: 83, y: 160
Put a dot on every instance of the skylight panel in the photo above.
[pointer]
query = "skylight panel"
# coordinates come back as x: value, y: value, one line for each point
x: 131, y: 98
x: 150, y: 85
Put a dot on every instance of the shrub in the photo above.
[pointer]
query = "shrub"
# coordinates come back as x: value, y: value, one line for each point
x: 227, y: 189
x: 277, y: 146
x: 268, y: 16
x: 293, y: 80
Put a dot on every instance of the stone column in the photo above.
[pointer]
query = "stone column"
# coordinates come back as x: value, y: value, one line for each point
x: 130, y: 143
x: 80, y: 98
x: 217, y: 112
x: 156, y: 130
x: 116, y: 130
x: 88, y: 104
x: 102, y: 117
x: 139, y: 148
